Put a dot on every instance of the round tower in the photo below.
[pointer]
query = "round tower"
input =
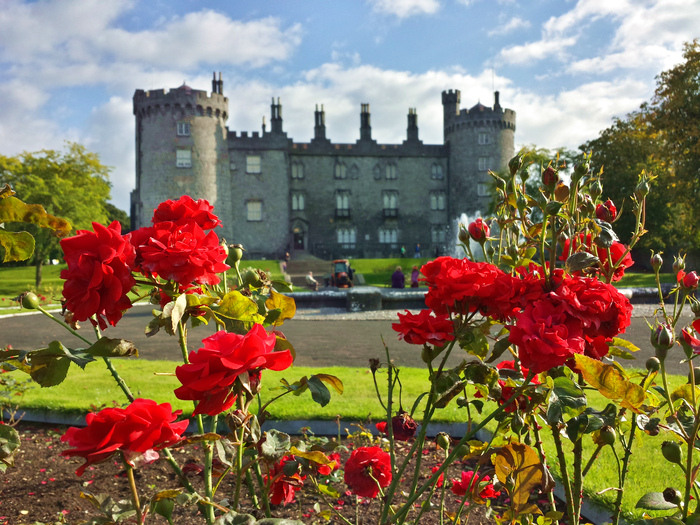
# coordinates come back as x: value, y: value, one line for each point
x: 180, y: 148
x: 480, y: 139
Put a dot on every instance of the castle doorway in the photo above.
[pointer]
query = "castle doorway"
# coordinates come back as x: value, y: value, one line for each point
x: 298, y: 241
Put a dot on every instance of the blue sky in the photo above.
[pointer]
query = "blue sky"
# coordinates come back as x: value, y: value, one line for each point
x: 69, y: 68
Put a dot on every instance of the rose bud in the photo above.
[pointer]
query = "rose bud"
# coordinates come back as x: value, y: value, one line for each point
x: 678, y: 264
x: 443, y: 441
x: 587, y: 205
x: 606, y: 211
x: 642, y: 189
x: 653, y: 364
x: 607, y: 435
x: 694, y: 306
x: 30, y: 301
x: 596, y: 189
x: 690, y: 281
x: 550, y: 177
x: 672, y: 452
x: 656, y: 261
x: 463, y: 234
x: 662, y: 339
x: 515, y: 164
x: 403, y: 426
x: 479, y: 230
x: 581, y: 169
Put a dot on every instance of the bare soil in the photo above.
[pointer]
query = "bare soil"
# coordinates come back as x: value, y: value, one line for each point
x: 42, y: 487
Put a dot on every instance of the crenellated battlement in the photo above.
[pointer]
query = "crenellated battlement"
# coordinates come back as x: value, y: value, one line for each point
x: 192, y: 102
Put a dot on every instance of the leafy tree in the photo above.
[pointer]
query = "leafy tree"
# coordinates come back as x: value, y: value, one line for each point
x: 663, y: 139
x: 70, y: 184
x: 116, y: 214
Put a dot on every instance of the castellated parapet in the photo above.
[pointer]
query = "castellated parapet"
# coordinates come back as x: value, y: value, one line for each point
x: 360, y: 199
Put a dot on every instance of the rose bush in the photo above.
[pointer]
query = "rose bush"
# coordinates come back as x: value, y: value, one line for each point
x: 367, y: 471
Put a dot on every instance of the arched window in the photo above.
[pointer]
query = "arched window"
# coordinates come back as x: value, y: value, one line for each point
x: 341, y: 171
x: 298, y: 201
x: 297, y: 170
x: 388, y: 236
x: 390, y: 171
x: 436, y: 171
x: 346, y: 235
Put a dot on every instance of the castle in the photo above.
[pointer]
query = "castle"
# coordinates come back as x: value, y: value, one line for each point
x: 275, y: 195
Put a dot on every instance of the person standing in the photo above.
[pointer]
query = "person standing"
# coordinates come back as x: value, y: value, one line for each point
x: 417, y: 254
x: 398, y: 280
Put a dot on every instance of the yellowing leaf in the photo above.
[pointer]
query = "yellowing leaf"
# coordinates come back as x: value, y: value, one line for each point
x: 285, y: 304
x: 611, y: 382
x: 685, y: 392
x: 235, y: 305
x: 522, y: 465
x: 333, y: 381
x: 14, y: 210
x: 316, y: 456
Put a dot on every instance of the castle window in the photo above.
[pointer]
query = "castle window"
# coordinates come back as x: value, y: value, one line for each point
x: 484, y: 163
x: 298, y: 201
x: 340, y: 171
x: 437, y: 200
x: 377, y: 172
x: 388, y: 236
x: 390, y: 171
x: 254, y: 211
x: 347, y: 237
x: 436, y: 171
x: 252, y: 164
x: 390, y: 199
x: 484, y: 138
x: 183, y: 158
x: 297, y: 170
x: 482, y: 189
x: 342, y: 203
x: 183, y: 129
x: 437, y: 233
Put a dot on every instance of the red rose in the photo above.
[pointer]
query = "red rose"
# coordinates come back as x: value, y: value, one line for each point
x: 606, y: 211
x: 363, y: 467
x: 690, y: 341
x: 283, y: 487
x: 213, y: 369
x: 185, y: 211
x: 441, y: 478
x: 463, y: 286
x: 424, y: 328
x: 479, y: 230
x: 617, y: 251
x: 546, y: 335
x: 507, y: 391
x: 184, y: 254
x: 137, y: 431
x: 470, y: 483
x: 98, y: 276
x: 690, y: 281
x: 403, y: 426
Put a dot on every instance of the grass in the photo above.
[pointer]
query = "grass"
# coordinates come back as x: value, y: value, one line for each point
x: 377, y: 272
x: 92, y: 388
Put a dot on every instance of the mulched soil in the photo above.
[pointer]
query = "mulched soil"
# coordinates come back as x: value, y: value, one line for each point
x: 43, y: 487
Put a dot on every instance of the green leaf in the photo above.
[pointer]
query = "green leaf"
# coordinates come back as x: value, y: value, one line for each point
x: 282, y: 344
x: 328, y: 491
x: 275, y: 446
x: 566, y: 398
x: 654, y: 501
x: 448, y: 385
x: 580, y: 261
x: 319, y: 391
x: 106, y: 347
x: 19, y: 246
x: 333, y: 381
x: 49, y: 366
x: 9, y: 445
x: 499, y: 347
x: 282, y: 286
x: 621, y: 343
x: 475, y: 343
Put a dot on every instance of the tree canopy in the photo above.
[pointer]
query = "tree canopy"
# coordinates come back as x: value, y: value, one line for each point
x: 71, y: 184
x: 663, y: 139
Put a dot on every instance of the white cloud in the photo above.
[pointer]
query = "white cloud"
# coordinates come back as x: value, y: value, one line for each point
x: 510, y: 26
x: 405, y: 8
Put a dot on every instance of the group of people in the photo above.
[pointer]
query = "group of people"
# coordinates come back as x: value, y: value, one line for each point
x: 398, y: 279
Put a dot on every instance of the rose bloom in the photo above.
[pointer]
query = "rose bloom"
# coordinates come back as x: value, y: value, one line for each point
x: 546, y: 335
x: 137, y: 431
x: 403, y: 426
x: 283, y: 487
x: 464, y: 286
x: 479, y: 230
x: 363, y: 467
x: 212, y: 371
x: 424, y: 328
x: 617, y: 250
x: 186, y: 210
x: 98, y: 276
x: 184, y: 254
x: 606, y: 211
x: 688, y: 280
x: 470, y: 482
x: 689, y: 339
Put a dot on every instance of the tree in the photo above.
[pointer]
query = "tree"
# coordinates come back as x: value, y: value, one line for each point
x: 115, y: 214
x: 70, y: 184
x: 663, y: 139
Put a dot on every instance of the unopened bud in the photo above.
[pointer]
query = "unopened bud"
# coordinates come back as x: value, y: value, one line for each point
x: 607, y: 435
x: 678, y: 264
x: 29, y: 301
x: 694, y: 306
x: 443, y: 441
x: 596, y: 190
x: 672, y: 452
x: 550, y: 178
x: 463, y: 234
x: 662, y: 340
x: 653, y: 364
x: 515, y: 164
x: 587, y: 205
x: 581, y: 169
x: 656, y: 261
x: 642, y: 189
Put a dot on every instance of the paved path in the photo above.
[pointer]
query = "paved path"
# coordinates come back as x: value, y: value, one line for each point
x: 323, y: 337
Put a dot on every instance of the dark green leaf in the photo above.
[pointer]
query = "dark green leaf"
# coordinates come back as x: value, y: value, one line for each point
x: 9, y: 445
x: 499, y: 347
x: 654, y: 501
x: 276, y: 445
x: 566, y: 398
x: 106, y: 347
x: 474, y: 342
x: 580, y: 261
x: 319, y: 391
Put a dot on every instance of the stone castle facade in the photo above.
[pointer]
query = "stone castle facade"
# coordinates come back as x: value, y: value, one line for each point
x: 275, y: 195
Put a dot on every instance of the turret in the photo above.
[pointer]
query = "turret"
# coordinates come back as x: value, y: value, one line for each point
x: 450, y: 105
x: 320, y: 124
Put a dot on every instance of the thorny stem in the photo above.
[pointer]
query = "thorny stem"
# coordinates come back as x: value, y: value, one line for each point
x: 208, y: 459
x: 564, y: 475
x: 389, y: 425
x: 543, y: 460
x: 181, y: 475
x: 122, y: 384
x: 134, y: 492
x: 261, y: 484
